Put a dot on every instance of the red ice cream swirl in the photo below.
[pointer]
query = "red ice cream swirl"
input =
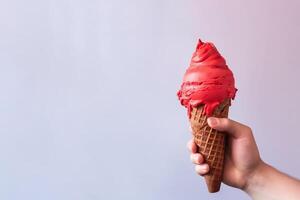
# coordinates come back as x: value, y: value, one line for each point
x: 208, y: 80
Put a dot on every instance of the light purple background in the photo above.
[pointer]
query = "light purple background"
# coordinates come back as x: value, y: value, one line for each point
x: 88, y: 107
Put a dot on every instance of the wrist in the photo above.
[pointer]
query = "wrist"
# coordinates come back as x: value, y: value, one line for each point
x: 257, y: 178
x: 267, y: 182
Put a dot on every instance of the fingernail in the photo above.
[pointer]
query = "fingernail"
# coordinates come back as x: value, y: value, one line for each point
x: 212, y: 121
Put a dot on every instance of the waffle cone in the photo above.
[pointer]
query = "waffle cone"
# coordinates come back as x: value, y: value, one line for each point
x: 211, y: 143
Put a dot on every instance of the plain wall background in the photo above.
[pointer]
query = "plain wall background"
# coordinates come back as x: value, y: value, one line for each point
x: 88, y: 106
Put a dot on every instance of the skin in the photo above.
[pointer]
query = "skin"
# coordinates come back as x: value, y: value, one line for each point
x: 244, y: 169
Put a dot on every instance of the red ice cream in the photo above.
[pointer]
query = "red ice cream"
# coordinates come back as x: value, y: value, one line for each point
x: 207, y: 81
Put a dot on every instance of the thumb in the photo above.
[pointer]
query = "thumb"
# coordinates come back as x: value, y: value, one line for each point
x: 233, y: 128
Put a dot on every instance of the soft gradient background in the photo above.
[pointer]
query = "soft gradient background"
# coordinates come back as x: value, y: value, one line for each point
x: 88, y: 106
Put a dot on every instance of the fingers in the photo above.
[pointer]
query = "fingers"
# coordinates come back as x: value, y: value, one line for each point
x: 197, y: 158
x: 192, y: 147
x: 202, y: 169
x: 229, y: 126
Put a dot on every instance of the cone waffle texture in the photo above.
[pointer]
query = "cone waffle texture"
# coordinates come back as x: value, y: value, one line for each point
x: 211, y: 143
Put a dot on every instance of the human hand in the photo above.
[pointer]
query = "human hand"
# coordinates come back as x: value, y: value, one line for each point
x: 242, y: 158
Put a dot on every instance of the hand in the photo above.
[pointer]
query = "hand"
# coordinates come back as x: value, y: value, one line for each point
x: 243, y: 167
x: 241, y: 156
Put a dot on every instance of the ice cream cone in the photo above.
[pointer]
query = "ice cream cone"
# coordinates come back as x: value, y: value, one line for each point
x: 211, y: 143
x: 207, y: 89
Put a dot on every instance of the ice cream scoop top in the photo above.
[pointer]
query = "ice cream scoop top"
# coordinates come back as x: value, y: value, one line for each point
x: 208, y: 80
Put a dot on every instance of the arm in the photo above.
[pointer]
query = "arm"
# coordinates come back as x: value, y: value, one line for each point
x: 269, y: 183
x: 244, y: 168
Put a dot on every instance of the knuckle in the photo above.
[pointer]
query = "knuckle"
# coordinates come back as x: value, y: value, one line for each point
x: 196, y: 158
x: 198, y: 170
x: 247, y: 129
x: 201, y: 169
x: 192, y: 157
